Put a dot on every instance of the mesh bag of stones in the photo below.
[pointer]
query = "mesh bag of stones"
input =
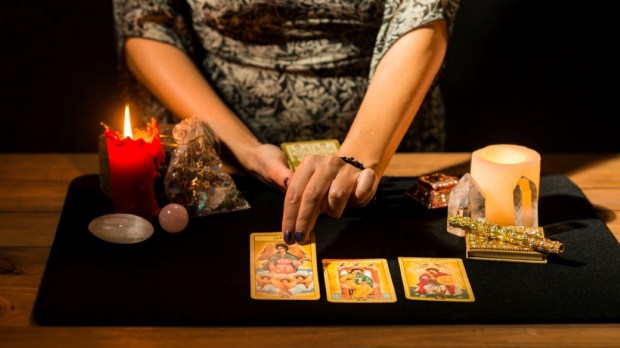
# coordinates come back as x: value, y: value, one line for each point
x: 195, y: 178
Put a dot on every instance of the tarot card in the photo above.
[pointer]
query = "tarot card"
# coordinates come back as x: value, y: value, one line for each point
x: 282, y: 272
x: 358, y: 281
x: 435, y: 279
x: 296, y: 151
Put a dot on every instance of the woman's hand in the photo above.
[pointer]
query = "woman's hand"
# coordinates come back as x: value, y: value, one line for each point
x: 394, y: 95
x: 268, y: 163
x: 323, y: 184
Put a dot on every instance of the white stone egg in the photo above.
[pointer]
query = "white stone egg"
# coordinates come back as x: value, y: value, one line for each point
x: 121, y: 228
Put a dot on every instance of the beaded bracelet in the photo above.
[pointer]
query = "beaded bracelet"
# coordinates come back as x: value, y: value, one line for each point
x: 352, y: 161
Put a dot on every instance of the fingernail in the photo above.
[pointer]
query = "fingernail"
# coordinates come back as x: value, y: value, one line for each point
x: 286, y: 182
x: 299, y: 237
x: 289, y: 237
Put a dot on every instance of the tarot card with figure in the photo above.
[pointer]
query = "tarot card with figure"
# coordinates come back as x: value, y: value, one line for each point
x: 358, y: 281
x: 435, y: 279
x: 282, y: 272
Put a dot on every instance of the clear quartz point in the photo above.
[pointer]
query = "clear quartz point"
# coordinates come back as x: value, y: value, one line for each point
x: 466, y: 199
x: 526, y: 203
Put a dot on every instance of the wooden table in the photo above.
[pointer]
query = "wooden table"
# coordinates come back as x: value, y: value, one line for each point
x: 32, y: 192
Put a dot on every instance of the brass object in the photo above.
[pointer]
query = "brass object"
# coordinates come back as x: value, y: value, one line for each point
x: 527, y: 236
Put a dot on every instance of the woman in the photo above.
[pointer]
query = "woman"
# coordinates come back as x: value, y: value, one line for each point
x: 263, y: 72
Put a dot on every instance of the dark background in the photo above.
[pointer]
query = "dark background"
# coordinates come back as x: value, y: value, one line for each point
x: 539, y: 73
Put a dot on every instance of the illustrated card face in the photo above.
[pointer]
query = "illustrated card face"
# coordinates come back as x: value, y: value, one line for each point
x: 435, y: 279
x: 296, y: 151
x: 358, y: 281
x: 282, y: 272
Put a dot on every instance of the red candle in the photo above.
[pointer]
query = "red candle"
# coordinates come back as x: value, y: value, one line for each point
x: 134, y: 161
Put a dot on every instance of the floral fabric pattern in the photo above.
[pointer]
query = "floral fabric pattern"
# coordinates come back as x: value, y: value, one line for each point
x: 290, y: 70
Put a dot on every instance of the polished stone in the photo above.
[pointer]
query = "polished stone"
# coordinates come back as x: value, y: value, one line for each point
x: 173, y: 218
x: 121, y: 228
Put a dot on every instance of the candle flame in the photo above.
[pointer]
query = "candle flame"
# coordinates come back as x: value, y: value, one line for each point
x: 128, y: 133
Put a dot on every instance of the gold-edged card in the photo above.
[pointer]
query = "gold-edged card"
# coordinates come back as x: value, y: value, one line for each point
x: 297, y: 150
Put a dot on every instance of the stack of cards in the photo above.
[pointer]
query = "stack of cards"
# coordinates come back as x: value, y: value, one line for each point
x: 289, y: 272
x: 296, y: 151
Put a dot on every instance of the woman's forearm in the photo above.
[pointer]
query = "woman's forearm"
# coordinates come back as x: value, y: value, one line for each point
x: 173, y: 78
x: 396, y: 91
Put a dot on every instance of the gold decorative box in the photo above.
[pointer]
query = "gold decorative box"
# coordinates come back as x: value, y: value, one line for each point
x: 433, y: 190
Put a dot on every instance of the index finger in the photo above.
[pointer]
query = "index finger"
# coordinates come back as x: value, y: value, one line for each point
x: 304, y: 196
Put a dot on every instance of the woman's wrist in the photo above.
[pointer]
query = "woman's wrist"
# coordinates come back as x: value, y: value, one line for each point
x: 363, y: 156
x: 246, y: 152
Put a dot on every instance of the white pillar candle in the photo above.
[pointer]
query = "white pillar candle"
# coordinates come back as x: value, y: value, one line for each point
x: 497, y: 170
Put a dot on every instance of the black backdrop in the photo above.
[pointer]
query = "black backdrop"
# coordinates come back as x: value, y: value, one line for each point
x: 539, y: 73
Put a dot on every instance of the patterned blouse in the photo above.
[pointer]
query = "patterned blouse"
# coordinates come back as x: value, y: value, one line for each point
x: 290, y: 69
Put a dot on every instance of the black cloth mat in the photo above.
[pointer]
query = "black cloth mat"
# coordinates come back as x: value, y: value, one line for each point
x: 201, y: 276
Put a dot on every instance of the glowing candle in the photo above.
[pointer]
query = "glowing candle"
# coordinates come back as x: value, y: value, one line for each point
x: 133, y: 164
x: 497, y: 170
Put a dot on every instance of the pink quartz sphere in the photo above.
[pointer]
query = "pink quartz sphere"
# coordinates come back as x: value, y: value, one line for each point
x: 173, y: 218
